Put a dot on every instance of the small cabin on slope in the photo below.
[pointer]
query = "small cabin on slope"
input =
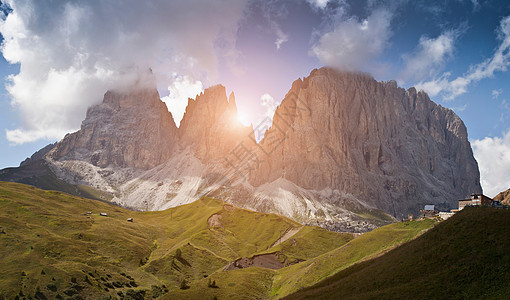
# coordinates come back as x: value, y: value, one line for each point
x: 429, y: 211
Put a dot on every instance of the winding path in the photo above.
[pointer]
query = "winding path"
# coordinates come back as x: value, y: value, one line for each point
x: 287, y: 235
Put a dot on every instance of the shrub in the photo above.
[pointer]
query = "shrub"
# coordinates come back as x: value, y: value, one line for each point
x: 39, y: 295
x: 70, y: 291
x: 109, y: 285
x: 184, y: 285
x: 212, y: 284
x: 135, y: 295
x: 143, y: 261
x: 52, y: 287
x: 156, y: 291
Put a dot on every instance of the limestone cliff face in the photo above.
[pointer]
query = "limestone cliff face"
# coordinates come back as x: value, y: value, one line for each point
x: 210, y: 125
x: 128, y: 129
x: 394, y: 149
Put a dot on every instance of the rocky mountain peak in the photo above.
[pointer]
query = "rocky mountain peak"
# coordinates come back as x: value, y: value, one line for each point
x: 391, y: 148
x: 130, y: 128
x: 232, y: 103
x: 210, y: 124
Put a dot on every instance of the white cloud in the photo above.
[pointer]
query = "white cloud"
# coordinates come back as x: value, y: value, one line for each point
x: 436, y: 86
x: 354, y: 44
x: 499, y: 62
x: 318, y: 3
x: 505, y: 105
x: 493, y: 156
x: 429, y: 57
x: 267, y: 101
x: 496, y: 93
x: 476, y: 5
x: 460, y: 108
x: 71, y: 52
x: 274, y: 12
x: 281, y: 38
x: 51, y: 106
x: 504, y: 111
x: 266, y: 120
x: 179, y: 91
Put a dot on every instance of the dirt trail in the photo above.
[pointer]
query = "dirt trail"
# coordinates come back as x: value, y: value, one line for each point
x: 287, y: 235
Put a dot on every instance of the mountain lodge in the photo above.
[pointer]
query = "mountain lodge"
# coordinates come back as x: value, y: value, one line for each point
x: 475, y: 200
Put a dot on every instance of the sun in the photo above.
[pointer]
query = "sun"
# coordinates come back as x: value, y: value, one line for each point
x: 243, y: 119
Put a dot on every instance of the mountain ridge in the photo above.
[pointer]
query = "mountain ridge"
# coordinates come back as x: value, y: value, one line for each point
x: 342, y: 148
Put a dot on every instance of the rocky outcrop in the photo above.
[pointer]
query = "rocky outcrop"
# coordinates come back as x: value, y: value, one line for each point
x: 38, y: 155
x: 391, y: 148
x: 503, y: 197
x: 130, y: 128
x: 210, y: 125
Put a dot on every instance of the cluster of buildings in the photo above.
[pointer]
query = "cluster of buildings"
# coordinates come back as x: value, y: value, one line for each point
x: 429, y: 211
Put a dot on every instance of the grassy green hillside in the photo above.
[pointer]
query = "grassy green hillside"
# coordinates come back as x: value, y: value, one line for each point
x: 466, y: 257
x: 295, y: 277
x: 259, y: 283
x: 53, y: 249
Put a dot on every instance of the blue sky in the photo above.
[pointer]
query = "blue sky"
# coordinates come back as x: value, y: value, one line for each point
x: 59, y: 57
